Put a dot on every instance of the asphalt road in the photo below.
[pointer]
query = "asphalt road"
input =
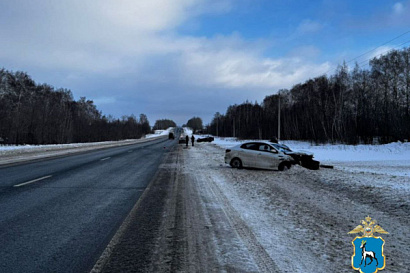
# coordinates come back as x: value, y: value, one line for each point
x: 58, y: 215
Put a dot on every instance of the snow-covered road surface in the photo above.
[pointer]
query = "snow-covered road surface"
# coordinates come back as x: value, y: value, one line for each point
x: 292, y: 221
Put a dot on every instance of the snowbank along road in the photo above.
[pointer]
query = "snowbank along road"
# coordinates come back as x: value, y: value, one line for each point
x: 218, y: 219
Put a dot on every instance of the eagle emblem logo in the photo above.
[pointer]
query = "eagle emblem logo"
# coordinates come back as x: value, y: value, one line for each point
x: 368, y: 254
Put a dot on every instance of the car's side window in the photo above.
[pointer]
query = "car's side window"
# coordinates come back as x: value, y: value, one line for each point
x: 245, y: 146
x: 250, y: 146
x: 264, y: 147
x: 259, y: 147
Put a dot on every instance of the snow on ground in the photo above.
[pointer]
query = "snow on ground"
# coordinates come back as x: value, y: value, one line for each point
x: 392, y: 158
x: 19, y: 149
x: 339, y: 152
x: 300, y: 211
x: 18, y: 153
x: 188, y: 131
x: 284, y: 214
x: 160, y: 132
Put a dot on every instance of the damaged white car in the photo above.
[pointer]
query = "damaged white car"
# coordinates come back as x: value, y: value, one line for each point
x: 258, y: 154
x: 303, y: 158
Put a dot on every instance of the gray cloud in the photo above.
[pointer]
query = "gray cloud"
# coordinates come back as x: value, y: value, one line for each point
x: 127, y: 57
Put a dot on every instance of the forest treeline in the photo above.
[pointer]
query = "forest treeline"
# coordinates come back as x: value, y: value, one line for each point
x: 195, y: 124
x: 358, y: 106
x: 33, y: 113
x: 162, y: 124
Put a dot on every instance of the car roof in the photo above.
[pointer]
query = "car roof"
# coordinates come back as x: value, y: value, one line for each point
x: 257, y: 141
x: 254, y: 142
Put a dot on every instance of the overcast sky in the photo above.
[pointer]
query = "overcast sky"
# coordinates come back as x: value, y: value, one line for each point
x: 177, y: 59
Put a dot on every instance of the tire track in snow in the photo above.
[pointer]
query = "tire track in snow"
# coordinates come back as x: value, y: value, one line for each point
x: 260, y: 256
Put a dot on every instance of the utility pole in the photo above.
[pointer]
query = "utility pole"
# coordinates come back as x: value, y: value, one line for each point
x: 278, y: 117
x: 233, y: 126
x: 217, y: 127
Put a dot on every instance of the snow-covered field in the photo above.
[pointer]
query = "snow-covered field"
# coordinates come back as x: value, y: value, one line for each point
x: 392, y: 158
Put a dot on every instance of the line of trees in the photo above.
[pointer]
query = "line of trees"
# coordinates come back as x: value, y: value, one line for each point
x: 162, y: 124
x: 195, y: 123
x: 33, y: 113
x: 353, y: 107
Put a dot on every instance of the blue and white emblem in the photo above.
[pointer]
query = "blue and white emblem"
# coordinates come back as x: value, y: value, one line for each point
x: 368, y: 254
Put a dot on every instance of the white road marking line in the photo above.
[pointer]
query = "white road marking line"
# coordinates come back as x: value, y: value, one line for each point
x: 105, y: 158
x: 32, y: 181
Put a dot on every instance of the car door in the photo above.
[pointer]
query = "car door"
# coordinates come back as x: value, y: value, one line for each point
x: 268, y: 157
x: 249, y: 155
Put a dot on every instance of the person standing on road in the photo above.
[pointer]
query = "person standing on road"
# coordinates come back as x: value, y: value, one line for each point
x: 187, y: 140
x: 193, y: 140
x: 274, y: 140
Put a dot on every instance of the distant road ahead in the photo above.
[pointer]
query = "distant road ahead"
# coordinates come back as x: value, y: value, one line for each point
x: 58, y: 215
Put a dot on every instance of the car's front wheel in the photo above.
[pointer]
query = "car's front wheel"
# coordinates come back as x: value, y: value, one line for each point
x: 284, y: 166
x: 236, y: 163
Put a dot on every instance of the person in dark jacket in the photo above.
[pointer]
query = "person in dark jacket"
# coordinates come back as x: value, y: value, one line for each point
x: 193, y: 140
x: 187, y: 140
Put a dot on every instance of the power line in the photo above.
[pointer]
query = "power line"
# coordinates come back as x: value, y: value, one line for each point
x: 379, y: 46
x: 395, y: 38
x: 379, y: 55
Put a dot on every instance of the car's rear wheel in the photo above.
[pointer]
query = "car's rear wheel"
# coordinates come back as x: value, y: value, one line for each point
x: 236, y: 163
